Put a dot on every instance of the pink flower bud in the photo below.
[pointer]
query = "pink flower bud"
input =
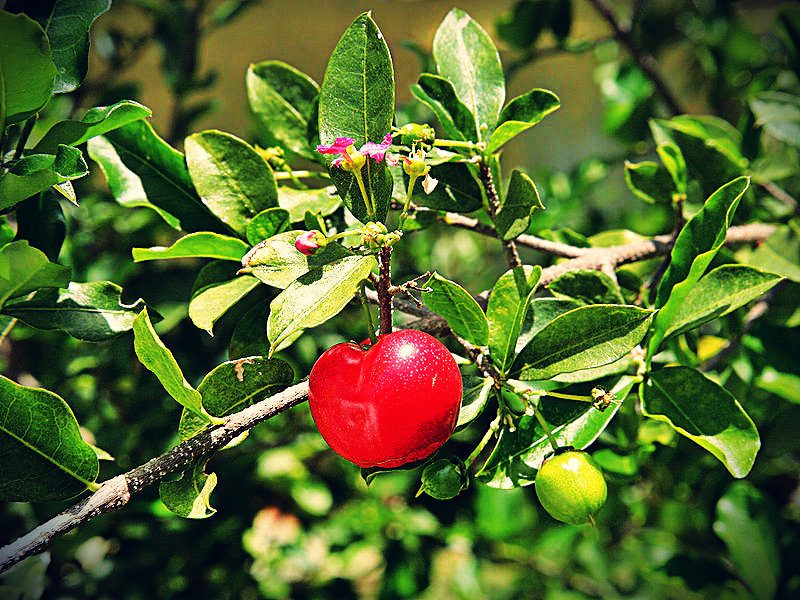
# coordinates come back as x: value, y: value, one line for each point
x: 307, y: 244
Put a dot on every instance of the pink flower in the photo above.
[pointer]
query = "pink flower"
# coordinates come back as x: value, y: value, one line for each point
x: 306, y: 243
x: 343, y: 146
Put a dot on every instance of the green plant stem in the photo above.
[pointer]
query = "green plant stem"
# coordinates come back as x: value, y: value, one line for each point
x: 404, y: 214
x: 569, y: 396
x: 547, y: 431
x: 367, y: 198
x: 302, y: 174
x: 24, y: 135
x: 479, y: 146
x: 484, y: 440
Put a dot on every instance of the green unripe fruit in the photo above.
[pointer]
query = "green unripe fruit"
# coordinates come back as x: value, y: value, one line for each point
x: 571, y: 487
x: 444, y: 478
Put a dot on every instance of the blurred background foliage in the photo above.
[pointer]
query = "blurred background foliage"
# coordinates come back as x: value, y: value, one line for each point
x: 296, y: 521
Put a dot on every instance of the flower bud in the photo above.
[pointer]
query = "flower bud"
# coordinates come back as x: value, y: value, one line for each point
x: 274, y: 156
x: 353, y: 160
x: 372, y: 234
x: 309, y: 242
x: 414, y: 165
x: 414, y: 132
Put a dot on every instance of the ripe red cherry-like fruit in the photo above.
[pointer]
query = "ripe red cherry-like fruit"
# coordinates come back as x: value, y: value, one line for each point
x: 390, y: 404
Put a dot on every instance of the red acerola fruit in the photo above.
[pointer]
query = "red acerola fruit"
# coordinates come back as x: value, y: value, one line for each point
x: 390, y: 404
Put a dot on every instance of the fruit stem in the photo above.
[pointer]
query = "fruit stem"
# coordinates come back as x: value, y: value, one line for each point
x: 493, y: 427
x: 383, y: 286
x: 365, y: 304
x: 548, y: 432
x: 570, y: 397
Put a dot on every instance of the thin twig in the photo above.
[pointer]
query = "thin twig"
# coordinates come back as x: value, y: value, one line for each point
x: 781, y: 195
x: 644, y: 59
x: 383, y: 286
x: 493, y: 201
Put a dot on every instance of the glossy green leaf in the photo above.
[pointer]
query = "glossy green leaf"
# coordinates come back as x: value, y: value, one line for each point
x: 314, y: 298
x: 520, y: 114
x: 143, y: 170
x: 518, y: 454
x: 299, y: 202
x: 96, y: 121
x: 694, y: 249
x: 673, y: 161
x: 709, y: 146
x: 745, y: 522
x: 156, y: 357
x: 585, y: 337
x: 276, y: 262
x: 283, y: 102
x: 519, y: 204
x: 42, y: 454
x: 476, y: 395
x: 704, y: 412
x: 233, y: 386
x: 189, y: 496
x: 779, y: 114
x: 508, y: 305
x: 202, y: 244
x: 586, y: 286
x: 628, y: 99
x: 438, y: 94
x: 215, y: 292
x: 357, y: 100
x: 67, y: 24
x: 780, y: 252
x: 458, y: 307
x: 523, y: 24
x: 24, y: 269
x: 233, y: 181
x: 458, y: 189
x: 37, y: 172
x: 27, y: 71
x: 721, y: 291
x: 467, y: 57
x: 540, y: 313
x: 91, y: 311
x: 268, y: 223
x: 649, y: 181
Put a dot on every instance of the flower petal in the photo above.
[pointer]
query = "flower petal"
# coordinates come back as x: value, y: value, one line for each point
x: 338, y: 147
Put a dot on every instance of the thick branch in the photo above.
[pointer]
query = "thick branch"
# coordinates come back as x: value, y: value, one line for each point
x: 382, y: 287
x: 116, y: 492
x: 644, y: 59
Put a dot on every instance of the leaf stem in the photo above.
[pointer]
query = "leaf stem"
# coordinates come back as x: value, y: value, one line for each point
x: 546, y: 427
x: 493, y: 427
x: 570, y: 397
x: 480, y: 146
x: 303, y: 174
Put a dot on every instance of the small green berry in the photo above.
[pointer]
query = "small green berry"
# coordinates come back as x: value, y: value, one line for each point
x: 571, y: 487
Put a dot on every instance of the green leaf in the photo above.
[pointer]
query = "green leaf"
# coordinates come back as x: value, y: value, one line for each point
x: 37, y: 172
x: 357, y: 100
x: 92, y: 311
x: 476, y: 396
x: 709, y: 146
x: 779, y: 114
x: 458, y: 307
x: 587, y: 287
x: 233, y: 386
x: 214, y: 293
x: 203, y: 244
x: 189, y: 496
x: 42, y: 454
x: 585, y: 337
x: 314, y: 298
x: 508, y: 305
x: 283, y: 102
x: 143, y: 170
x: 522, y: 25
x: 696, y: 246
x: 438, y: 94
x: 520, y: 114
x: 540, y: 313
x: 299, y: 202
x: 704, y: 412
x: 673, y: 161
x: 268, y: 223
x: 650, y: 182
x: 155, y: 356
x: 277, y: 262
x: 723, y: 290
x: 518, y: 454
x: 67, y: 24
x: 27, y: 71
x: 522, y: 199
x: 96, y: 121
x: 458, y: 190
x: 233, y: 181
x: 24, y: 270
x: 780, y: 252
x: 465, y: 55
x: 628, y: 99
x: 746, y: 524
